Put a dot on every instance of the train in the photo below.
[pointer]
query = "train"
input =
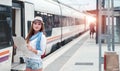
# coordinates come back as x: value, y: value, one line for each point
x: 62, y: 24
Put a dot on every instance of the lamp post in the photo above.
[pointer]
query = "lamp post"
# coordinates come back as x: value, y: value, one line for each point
x: 97, y: 10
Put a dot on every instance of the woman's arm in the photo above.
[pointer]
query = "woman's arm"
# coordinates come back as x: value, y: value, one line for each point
x: 32, y: 49
x: 42, y: 46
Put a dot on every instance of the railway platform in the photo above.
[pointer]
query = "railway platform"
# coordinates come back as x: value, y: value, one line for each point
x: 81, y: 54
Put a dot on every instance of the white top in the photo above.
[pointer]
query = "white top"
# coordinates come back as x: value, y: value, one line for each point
x: 42, y: 46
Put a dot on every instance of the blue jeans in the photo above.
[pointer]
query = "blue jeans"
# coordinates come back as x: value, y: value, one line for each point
x: 33, y: 64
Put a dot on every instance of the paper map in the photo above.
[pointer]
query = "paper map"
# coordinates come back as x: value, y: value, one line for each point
x: 20, y: 43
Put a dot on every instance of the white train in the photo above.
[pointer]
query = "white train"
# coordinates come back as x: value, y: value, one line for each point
x: 62, y: 24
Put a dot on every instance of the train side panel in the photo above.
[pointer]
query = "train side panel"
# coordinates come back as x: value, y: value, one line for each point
x: 29, y: 15
x: 5, y: 59
x: 6, y: 2
x: 5, y: 35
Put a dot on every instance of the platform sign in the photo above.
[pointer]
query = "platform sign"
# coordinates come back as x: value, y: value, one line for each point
x: 111, y: 61
x: 107, y: 13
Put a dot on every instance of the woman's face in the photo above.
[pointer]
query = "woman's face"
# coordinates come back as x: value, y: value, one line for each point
x: 37, y: 25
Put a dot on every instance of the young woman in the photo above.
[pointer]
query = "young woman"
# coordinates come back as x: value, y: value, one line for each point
x: 36, y: 41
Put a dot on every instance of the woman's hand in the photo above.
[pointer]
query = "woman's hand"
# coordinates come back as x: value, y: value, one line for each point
x: 14, y: 46
x: 29, y: 47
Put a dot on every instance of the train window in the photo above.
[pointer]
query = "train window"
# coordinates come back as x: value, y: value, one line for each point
x: 48, y: 20
x: 29, y: 25
x: 63, y: 21
x: 48, y: 24
x: 37, y: 13
x: 56, y: 21
x: 71, y: 21
x: 79, y: 21
x: 5, y: 26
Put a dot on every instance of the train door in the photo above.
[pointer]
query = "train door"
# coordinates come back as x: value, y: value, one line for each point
x: 22, y: 15
x: 16, y: 24
x: 16, y: 21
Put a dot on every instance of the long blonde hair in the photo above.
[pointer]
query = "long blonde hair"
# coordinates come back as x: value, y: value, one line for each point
x: 31, y: 32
